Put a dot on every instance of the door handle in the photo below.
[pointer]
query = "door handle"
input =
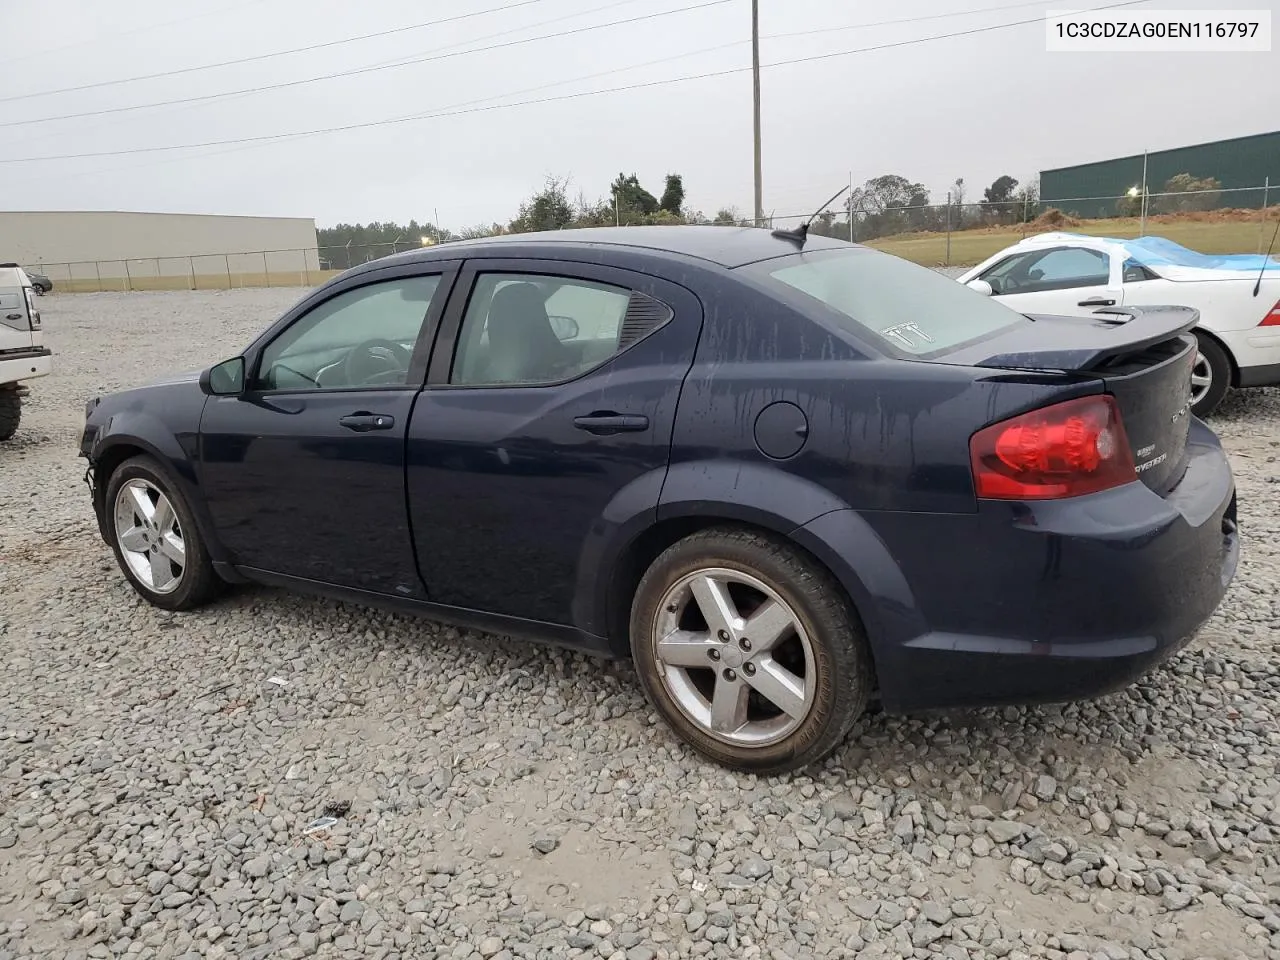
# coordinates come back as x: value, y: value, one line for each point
x: 602, y: 423
x: 14, y: 316
x: 363, y: 422
x: 1097, y: 302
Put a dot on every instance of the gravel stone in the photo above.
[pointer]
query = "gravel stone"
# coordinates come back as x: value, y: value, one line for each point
x: 352, y: 911
x: 501, y: 800
x: 755, y: 869
x: 1005, y: 831
x: 545, y: 844
x: 1046, y: 787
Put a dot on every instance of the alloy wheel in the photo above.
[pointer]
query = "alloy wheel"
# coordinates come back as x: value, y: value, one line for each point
x: 150, y: 536
x: 1201, y: 377
x: 734, y: 657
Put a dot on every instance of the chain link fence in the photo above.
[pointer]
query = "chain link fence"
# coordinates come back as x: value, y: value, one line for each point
x: 1232, y: 220
x: 1225, y: 220
x: 300, y: 267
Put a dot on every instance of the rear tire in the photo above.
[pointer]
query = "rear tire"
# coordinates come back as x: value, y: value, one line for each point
x: 155, y: 537
x: 10, y: 413
x: 776, y: 682
x: 1210, y: 376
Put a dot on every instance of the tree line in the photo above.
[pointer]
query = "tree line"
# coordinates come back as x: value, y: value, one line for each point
x: 883, y: 206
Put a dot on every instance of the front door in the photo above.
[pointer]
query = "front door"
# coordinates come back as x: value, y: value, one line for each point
x: 304, y: 472
x: 548, y: 415
x: 1064, y: 281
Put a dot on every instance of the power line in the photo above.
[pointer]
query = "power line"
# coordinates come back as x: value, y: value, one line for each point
x: 447, y: 46
x: 269, y: 56
x: 372, y: 68
x: 126, y: 33
x: 465, y: 103
x: 449, y: 112
x: 399, y: 62
x: 890, y: 23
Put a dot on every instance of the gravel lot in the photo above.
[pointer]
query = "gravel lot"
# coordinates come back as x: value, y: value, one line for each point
x: 504, y: 800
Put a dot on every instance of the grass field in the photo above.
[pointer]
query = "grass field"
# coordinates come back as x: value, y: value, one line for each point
x: 973, y: 246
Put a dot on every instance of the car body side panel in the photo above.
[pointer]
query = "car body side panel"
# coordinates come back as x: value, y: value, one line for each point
x: 628, y: 515
x: 1224, y: 305
x: 880, y: 435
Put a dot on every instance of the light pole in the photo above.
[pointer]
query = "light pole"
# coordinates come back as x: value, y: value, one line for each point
x: 755, y: 85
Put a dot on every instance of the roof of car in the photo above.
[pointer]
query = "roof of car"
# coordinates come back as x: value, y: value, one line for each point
x: 727, y: 246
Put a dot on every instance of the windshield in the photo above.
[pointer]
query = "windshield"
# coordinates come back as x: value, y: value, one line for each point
x: 916, y: 310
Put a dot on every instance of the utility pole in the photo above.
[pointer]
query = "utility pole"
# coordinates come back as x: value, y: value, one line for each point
x: 1142, y: 230
x: 850, y: 206
x: 755, y: 84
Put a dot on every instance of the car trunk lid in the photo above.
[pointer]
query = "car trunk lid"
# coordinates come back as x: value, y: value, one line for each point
x: 1143, y: 357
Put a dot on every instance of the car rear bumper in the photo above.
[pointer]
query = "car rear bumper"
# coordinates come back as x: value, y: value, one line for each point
x: 1257, y: 355
x: 26, y: 365
x: 1053, y: 601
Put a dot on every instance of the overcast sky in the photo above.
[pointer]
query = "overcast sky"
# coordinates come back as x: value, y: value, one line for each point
x: 974, y: 106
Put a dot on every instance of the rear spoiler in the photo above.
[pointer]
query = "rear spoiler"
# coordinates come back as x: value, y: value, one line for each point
x: 1086, y: 343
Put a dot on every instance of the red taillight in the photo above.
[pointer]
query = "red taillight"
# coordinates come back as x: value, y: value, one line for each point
x: 1064, y: 450
x: 1272, y: 319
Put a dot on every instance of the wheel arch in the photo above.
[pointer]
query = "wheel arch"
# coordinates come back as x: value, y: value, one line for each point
x: 116, y: 447
x: 1226, y: 350
x: 617, y: 588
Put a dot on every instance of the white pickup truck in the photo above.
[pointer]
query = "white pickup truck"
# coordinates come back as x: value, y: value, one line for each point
x: 23, y: 355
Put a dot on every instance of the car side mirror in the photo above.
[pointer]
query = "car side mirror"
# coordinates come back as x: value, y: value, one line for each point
x: 225, y: 379
x: 980, y: 286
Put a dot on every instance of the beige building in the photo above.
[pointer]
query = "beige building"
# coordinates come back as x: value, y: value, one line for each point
x: 116, y: 250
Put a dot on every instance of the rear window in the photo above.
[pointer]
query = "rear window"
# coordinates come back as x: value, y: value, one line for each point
x: 915, y: 310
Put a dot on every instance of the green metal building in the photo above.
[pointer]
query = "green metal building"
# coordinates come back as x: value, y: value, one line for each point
x: 1238, y: 163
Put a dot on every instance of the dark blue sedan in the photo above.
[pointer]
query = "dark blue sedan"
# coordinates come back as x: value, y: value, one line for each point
x: 784, y: 474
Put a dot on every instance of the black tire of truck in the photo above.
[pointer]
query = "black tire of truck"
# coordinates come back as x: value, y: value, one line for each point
x: 10, y: 413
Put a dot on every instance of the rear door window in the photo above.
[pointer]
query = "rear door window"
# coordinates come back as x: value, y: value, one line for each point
x: 913, y: 309
x: 537, y: 329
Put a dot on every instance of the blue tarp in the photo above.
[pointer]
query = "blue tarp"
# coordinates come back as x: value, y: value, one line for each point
x: 1157, y: 252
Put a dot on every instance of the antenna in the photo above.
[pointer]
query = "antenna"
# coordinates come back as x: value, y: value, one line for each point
x: 800, y: 233
x: 1263, y: 269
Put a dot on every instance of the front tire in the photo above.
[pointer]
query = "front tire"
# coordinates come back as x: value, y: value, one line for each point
x: 1210, y: 375
x: 749, y: 650
x: 155, y: 538
x: 10, y: 413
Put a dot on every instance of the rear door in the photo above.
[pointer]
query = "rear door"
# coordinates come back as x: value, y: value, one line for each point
x: 304, y: 472
x: 1067, y: 281
x: 547, y: 416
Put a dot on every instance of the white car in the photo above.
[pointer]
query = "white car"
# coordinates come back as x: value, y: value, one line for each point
x: 1071, y: 274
